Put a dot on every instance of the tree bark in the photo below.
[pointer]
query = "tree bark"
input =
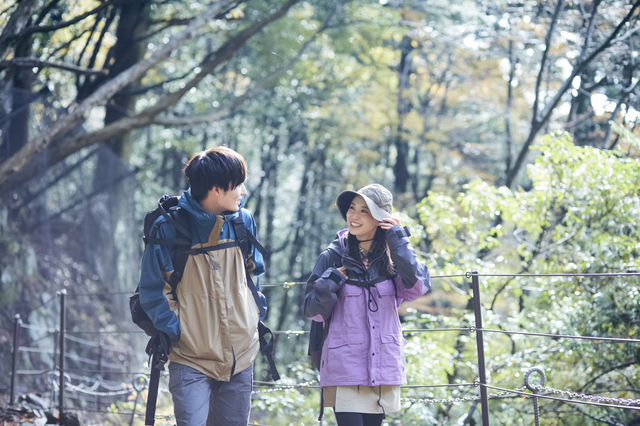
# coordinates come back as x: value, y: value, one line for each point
x: 79, y: 113
x: 401, y: 167
x: 18, y: 21
x: 509, y: 106
x: 127, y: 52
x: 132, y: 23
x: 35, y: 62
x: 17, y: 131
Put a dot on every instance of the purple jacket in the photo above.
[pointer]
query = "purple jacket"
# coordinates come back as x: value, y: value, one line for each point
x: 364, y: 343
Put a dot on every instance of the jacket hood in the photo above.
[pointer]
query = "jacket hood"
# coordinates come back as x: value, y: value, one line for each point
x: 201, y: 221
x: 340, y: 243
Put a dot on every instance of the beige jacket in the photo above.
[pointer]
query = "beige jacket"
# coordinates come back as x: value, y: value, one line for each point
x: 217, y: 312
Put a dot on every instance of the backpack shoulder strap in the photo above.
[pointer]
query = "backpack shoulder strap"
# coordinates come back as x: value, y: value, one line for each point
x: 180, y: 217
x: 166, y: 212
x: 245, y: 239
x: 175, y: 218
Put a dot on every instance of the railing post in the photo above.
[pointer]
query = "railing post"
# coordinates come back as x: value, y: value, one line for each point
x: 63, y: 328
x: 14, y: 358
x: 477, y: 310
x: 100, y: 349
x: 54, y: 365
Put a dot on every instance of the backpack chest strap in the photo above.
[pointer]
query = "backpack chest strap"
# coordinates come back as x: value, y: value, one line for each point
x: 222, y: 246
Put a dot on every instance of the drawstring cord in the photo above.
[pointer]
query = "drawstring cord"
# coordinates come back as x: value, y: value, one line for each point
x: 372, y: 298
x: 384, y: 413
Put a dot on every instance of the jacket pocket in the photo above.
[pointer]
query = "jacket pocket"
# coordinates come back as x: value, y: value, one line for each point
x: 386, y: 288
x: 350, y: 290
x: 339, y: 340
x: 385, y: 292
x: 354, y: 302
x: 344, y: 357
x: 392, y: 351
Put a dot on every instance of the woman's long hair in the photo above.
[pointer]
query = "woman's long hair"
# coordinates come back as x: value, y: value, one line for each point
x: 378, y: 245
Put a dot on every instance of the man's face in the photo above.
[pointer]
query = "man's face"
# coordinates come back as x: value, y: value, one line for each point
x: 230, y: 200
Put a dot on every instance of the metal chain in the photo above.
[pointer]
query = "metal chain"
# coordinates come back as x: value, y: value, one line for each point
x: 286, y: 387
x: 94, y: 393
x: 464, y: 399
x: 591, y: 398
x: 534, y: 389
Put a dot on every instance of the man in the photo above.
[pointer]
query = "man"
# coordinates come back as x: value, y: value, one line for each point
x: 212, y: 320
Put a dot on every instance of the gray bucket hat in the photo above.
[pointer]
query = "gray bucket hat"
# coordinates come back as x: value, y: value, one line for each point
x: 377, y: 197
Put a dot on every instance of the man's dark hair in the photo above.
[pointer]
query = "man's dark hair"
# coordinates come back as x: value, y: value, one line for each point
x: 221, y: 167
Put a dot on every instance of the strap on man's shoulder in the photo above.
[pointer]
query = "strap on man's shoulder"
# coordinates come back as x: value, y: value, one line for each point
x: 245, y: 237
x: 182, y: 219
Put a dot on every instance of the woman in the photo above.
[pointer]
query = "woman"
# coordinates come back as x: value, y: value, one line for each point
x: 353, y: 296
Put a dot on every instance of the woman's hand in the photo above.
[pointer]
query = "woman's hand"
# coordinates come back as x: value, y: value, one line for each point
x: 343, y: 270
x: 389, y: 222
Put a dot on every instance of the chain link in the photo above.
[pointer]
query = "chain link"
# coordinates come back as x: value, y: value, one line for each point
x: 464, y: 399
x: 541, y: 389
x: 591, y: 398
x: 286, y: 387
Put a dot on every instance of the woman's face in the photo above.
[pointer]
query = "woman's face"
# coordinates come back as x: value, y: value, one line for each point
x: 359, y: 220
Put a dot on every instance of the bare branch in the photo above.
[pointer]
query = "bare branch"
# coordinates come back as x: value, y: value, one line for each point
x: 143, y: 89
x: 171, y: 22
x: 536, y: 125
x: 78, y: 114
x: 35, y: 62
x: 17, y: 23
x: 174, y: 22
x: 221, y: 55
x: 47, y: 28
x: 587, y: 37
x: 46, y: 10
x: 88, y: 41
x: 215, y: 116
x: 11, y: 6
x: 627, y: 35
x: 74, y: 144
x: 614, y: 115
x: 577, y: 69
x: 605, y: 372
x: 509, y: 106
x: 98, y: 44
x: 545, y: 56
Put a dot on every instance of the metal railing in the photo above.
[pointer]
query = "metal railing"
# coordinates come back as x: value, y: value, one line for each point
x: 61, y: 380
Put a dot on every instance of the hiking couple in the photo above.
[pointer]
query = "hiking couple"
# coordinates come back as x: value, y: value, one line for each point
x: 211, y: 318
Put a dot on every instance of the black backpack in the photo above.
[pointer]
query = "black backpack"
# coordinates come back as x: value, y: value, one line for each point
x: 170, y: 212
x: 179, y: 219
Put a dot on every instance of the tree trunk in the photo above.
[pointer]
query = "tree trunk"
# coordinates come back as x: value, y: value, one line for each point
x: 507, y: 112
x: 580, y: 125
x: 297, y: 245
x: 127, y: 52
x: 132, y: 26
x: 16, y: 133
x: 401, y: 168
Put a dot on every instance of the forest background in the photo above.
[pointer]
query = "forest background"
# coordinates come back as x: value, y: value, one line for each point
x: 444, y: 102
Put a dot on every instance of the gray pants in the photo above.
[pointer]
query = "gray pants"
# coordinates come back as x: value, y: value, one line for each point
x: 199, y: 400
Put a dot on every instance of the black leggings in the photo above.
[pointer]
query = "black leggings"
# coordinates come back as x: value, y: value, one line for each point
x: 359, y: 419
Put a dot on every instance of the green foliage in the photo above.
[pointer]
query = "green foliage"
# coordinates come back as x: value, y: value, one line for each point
x: 335, y: 120
x: 580, y: 216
